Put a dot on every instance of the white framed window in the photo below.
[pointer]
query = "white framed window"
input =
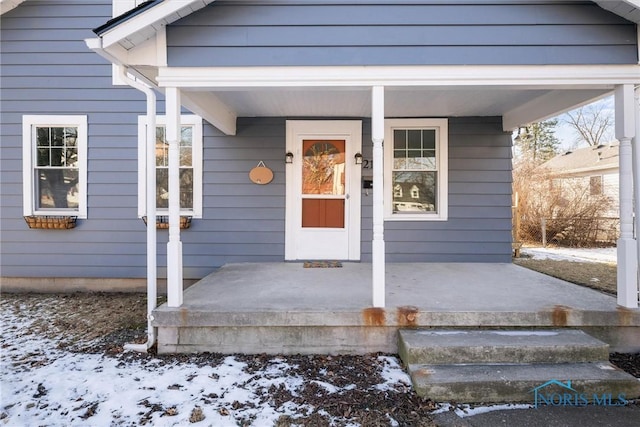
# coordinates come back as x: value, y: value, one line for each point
x: 595, y: 185
x: 190, y: 166
x: 54, y: 165
x: 415, y: 169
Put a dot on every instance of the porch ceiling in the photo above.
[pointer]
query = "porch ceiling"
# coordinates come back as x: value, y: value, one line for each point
x: 404, y: 101
x: 519, y: 94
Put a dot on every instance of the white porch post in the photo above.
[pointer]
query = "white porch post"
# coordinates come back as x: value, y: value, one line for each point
x: 627, y: 250
x: 377, y: 249
x: 636, y: 176
x: 174, y: 246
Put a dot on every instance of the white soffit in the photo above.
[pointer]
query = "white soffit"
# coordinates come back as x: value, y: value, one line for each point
x: 7, y: 5
x: 400, y: 101
x: 143, y: 26
x: 628, y: 9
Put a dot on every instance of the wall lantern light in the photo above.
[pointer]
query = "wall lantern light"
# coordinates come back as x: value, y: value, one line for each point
x: 288, y: 158
x: 358, y: 158
x: 523, y: 134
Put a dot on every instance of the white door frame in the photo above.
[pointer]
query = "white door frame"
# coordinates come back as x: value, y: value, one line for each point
x: 351, y: 132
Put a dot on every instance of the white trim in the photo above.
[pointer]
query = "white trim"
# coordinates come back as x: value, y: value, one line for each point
x: 569, y: 76
x: 7, y: 5
x: 351, y: 131
x: 538, y: 109
x: 175, y: 282
x: 118, y: 7
x: 28, y: 156
x: 636, y: 188
x: 212, y: 109
x: 185, y: 120
x: 156, y: 17
x: 378, y: 251
x: 627, y: 279
x: 442, y: 161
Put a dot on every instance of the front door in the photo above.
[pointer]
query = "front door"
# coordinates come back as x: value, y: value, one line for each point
x: 323, y: 190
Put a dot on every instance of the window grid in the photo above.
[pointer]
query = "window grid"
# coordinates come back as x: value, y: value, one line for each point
x: 190, y: 169
x: 54, y: 159
x: 186, y: 168
x: 416, y: 164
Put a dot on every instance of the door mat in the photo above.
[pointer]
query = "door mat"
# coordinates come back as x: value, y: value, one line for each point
x: 322, y: 264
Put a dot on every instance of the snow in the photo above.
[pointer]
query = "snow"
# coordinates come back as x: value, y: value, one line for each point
x: 606, y: 255
x: 464, y: 411
x: 44, y: 385
x: 392, y: 373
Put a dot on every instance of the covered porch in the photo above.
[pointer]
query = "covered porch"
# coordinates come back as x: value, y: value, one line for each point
x: 359, y: 307
x: 286, y: 308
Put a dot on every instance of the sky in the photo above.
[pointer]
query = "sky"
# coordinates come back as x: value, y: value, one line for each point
x: 567, y: 135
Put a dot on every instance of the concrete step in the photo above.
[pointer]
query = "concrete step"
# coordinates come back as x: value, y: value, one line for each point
x: 452, y: 346
x: 557, y: 384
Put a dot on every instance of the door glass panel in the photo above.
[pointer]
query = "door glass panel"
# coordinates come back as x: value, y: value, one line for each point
x: 323, y: 183
x: 323, y: 167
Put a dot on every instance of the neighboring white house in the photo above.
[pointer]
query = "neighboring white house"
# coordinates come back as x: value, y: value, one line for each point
x: 592, y: 169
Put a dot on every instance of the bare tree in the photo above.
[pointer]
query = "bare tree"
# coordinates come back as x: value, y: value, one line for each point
x: 592, y: 123
x: 574, y: 216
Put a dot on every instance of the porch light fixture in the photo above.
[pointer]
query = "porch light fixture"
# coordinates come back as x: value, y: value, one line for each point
x: 288, y: 158
x: 523, y: 134
x: 358, y: 158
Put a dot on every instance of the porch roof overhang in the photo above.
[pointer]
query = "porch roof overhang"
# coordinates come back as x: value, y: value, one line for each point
x: 519, y: 94
x: 628, y: 9
x: 7, y: 5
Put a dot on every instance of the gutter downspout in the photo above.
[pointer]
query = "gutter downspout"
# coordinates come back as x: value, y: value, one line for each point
x: 152, y: 285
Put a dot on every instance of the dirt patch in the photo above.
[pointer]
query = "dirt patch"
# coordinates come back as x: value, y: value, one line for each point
x: 594, y: 275
x: 627, y: 362
x: 77, y: 320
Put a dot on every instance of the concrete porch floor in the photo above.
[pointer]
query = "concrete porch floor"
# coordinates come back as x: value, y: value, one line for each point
x: 286, y: 308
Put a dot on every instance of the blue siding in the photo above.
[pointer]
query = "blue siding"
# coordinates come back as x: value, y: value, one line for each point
x: 47, y: 69
x: 356, y: 33
x: 479, y: 224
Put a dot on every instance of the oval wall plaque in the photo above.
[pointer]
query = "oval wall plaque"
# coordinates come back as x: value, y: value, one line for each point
x: 261, y: 174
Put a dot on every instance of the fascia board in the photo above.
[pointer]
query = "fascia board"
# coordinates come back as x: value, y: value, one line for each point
x: 535, y: 76
x: 156, y: 17
x: 7, y: 5
x: 612, y: 169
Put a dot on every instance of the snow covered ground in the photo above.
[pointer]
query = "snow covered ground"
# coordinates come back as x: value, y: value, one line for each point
x: 44, y: 385
x: 607, y: 255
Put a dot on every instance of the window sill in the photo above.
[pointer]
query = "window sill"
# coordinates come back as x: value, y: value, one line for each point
x: 415, y: 218
x: 162, y: 222
x: 51, y: 222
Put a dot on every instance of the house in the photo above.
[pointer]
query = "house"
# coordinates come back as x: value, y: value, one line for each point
x: 94, y: 92
x: 593, y: 170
